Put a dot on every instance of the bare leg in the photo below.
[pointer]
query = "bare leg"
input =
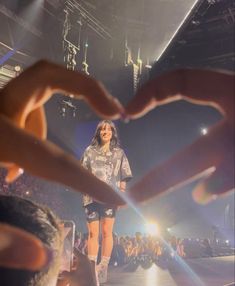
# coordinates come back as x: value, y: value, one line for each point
x: 93, y: 240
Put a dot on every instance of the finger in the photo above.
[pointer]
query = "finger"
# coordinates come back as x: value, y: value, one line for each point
x: 218, y: 183
x: 143, y: 102
x: 198, y: 159
x: 86, y: 88
x: 14, y: 242
x: 52, y: 163
x: 204, y: 87
x: 36, y: 123
x: 13, y: 173
x: 38, y: 83
x: 102, y: 103
x: 161, y: 90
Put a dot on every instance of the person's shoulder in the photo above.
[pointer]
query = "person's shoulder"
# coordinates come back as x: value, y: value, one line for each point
x: 118, y: 150
x: 89, y: 149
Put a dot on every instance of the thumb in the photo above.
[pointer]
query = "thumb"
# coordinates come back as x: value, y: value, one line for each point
x: 35, y: 124
x: 218, y: 183
x: 14, y: 242
x: 13, y: 173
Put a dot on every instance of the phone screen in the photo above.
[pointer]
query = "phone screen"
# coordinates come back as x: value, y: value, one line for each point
x: 67, y: 255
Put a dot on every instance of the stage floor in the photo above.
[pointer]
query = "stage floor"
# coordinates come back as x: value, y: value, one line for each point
x: 216, y: 271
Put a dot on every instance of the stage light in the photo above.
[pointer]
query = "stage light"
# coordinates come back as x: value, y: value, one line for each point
x: 17, y: 68
x: 204, y: 131
x: 152, y: 228
x: 148, y: 66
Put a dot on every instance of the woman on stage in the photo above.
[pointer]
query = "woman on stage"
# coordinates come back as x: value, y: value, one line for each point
x: 108, y: 162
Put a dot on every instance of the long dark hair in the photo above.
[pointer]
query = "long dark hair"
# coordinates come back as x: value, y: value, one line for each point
x: 114, y: 142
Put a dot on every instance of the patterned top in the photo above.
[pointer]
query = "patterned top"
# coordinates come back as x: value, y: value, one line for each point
x: 111, y: 167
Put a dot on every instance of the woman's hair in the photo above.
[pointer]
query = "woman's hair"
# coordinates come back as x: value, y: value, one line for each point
x: 114, y: 142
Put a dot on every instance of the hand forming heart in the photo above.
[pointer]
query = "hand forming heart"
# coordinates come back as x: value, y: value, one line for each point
x: 23, y: 127
x: 22, y: 117
x: 211, y: 155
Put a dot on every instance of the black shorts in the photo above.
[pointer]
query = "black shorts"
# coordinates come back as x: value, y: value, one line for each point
x: 96, y: 211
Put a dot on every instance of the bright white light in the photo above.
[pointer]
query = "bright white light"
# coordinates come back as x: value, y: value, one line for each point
x: 227, y: 241
x: 148, y: 66
x: 204, y: 131
x: 17, y: 68
x: 153, y: 276
x: 168, y: 229
x: 27, y: 192
x: 178, y: 28
x: 172, y: 254
x: 152, y: 228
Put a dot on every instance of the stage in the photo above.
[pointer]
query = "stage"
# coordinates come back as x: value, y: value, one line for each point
x: 216, y: 271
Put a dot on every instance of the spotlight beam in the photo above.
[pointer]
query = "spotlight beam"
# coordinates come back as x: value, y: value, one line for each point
x: 179, y: 27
